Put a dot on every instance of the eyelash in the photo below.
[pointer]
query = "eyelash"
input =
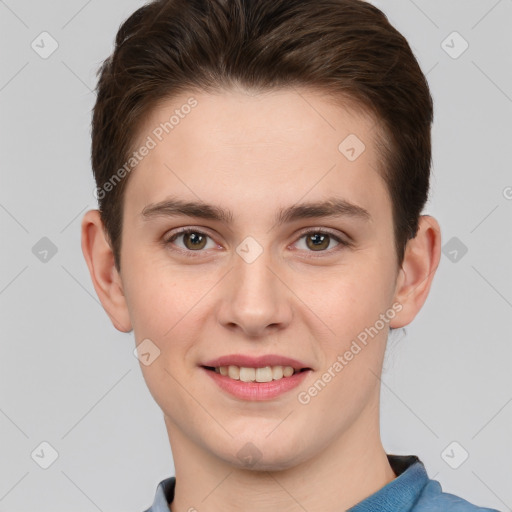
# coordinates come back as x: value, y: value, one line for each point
x: 189, y: 253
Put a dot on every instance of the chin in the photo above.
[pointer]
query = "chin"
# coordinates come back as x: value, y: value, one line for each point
x: 270, y: 463
x: 264, y: 455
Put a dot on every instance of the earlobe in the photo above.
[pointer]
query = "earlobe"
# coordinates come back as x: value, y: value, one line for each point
x: 105, y: 277
x: 422, y: 256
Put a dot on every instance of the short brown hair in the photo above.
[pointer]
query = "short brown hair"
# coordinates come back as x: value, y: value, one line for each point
x: 346, y: 48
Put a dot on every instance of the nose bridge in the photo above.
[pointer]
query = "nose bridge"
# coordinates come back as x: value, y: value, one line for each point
x: 252, y: 270
x: 257, y: 298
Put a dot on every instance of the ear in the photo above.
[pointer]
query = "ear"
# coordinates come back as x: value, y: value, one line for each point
x: 421, y: 259
x: 105, y: 277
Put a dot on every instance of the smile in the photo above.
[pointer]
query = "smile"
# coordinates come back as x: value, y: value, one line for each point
x: 263, y: 374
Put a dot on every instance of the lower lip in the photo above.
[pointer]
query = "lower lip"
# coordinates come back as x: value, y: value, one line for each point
x: 257, y: 390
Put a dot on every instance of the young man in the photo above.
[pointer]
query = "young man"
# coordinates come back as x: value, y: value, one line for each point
x: 261, y: 169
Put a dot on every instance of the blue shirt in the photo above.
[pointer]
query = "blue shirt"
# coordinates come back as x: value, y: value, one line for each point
x: 411, y: 491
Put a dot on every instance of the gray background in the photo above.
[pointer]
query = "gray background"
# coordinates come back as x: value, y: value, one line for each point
x: 70, y: 379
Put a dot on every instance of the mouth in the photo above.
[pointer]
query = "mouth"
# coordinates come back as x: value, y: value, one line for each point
x: 256, y: 374
x: 263, y: 377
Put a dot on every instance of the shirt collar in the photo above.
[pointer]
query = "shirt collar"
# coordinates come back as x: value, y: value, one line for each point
x: 399, y: 495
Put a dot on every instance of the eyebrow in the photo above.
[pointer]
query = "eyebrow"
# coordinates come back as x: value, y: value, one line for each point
x: 332, y: 207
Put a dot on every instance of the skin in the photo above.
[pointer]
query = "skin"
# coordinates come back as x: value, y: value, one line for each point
x: 254, y: 154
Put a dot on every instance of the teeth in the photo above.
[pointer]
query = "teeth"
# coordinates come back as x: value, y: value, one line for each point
x: 265, y: 374
x: 287, y: 371
x: 247, y: 374
x: 277, y: 372
x: 234, y: 372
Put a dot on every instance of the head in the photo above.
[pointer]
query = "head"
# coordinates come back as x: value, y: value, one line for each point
x: 255, y: 118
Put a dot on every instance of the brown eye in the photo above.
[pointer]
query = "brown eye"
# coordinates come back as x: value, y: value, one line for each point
x: 318, y: 241
x: 194, y: 240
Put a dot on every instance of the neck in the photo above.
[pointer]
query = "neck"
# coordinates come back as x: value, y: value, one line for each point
x: 349, y: 470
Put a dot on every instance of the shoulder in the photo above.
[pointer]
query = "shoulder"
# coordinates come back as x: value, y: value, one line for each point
x: 434, y: 499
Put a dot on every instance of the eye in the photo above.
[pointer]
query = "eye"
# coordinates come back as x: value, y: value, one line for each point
x: 193, y: 240
x: 319, y: 241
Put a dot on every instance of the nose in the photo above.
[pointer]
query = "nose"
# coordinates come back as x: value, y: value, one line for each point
x: 256, y: 300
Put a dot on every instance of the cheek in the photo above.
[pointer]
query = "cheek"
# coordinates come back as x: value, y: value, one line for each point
x: 350, y: 303
x: 349, y: 298
x: 165, y: 307
x: 351, y: 357
x: 166, y: 302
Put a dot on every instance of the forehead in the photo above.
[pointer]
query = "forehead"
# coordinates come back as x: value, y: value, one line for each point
x: 239, y: 117
x: 236, y: 146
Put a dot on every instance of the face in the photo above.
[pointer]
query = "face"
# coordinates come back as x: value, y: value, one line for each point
x: 269, y: 277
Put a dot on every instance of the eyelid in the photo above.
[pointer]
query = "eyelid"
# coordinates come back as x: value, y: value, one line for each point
x: 335, y: 234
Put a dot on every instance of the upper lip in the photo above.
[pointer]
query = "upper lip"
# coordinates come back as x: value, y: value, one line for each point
x: 255, y: 362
